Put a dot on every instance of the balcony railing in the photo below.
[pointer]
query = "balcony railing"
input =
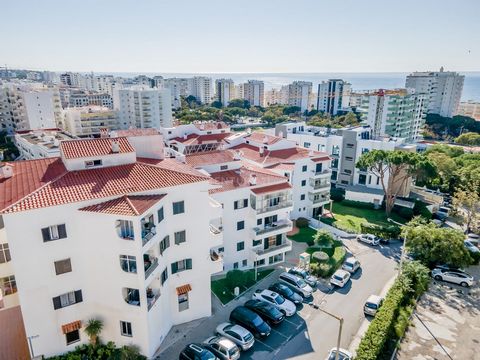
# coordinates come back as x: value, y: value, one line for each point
x: 287, y: 244
x: 320, y: 184
x: 321, y: 172
x: 147, y: 234
x: 281, y: 205
x: 215, y: 230
x: 320, y: 199
x: 153, y: 265
x: 273, y: 227
x: 152, y: 297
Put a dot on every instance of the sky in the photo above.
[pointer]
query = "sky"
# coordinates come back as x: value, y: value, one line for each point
x: 248, y: 36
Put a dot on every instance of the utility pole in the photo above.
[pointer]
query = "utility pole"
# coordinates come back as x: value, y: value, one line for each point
x: 340, y: 327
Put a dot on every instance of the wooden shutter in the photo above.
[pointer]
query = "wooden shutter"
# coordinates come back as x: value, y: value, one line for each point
x: 188, y: 265
x: 174, y: 268
x: 78, y: 296
x: 62, y: 231
x: 56, y: 302
x: 46, y: 234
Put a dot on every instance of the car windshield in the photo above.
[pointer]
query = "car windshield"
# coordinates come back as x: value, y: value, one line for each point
x: 348, y: 265
x: 337, y: 277
x: 301, y: 283
x: 279, y: 300
x: 257, y: 321
x: 371, y: 305
x: 341, y: 356
x: 247, y: 337
x: 286, y: 290
x: 207, y: 355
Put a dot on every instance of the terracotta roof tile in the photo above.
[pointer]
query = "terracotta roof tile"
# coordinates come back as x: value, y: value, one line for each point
x: 263, y: 138
x: 73, y: 149
x: 195, y: 139
x: 172, y: 164
x: 127, y: 205
x: 209, y: 158
x: 211, y: 125
x: 137, y: 132
x: 272, y: 188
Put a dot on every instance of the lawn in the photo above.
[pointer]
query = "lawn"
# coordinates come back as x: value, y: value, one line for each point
x: 350, y: 218
x: 220, y: 289
x: 303, y: 235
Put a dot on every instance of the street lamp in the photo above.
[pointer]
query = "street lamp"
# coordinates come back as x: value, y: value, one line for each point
x: 30, y: 344
x: 402, y: 254
x: 340, y: 319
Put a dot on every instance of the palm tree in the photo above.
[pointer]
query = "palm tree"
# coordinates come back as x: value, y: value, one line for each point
x: 93, y: 329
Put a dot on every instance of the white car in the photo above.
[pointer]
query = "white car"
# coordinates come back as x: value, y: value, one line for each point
x: 473, y: 238
x: 471, y: 247
x: 342, y: 354
x: 351, y: 265
x: 239, y: 335
x: 277, y: 300
x: 340, y: 278
x: 453, y: 276
x: 369, y: 239
x: 297, y: 284
x: 372, y: 305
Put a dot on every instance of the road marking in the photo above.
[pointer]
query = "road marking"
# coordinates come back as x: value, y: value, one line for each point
x: 279, y: 333
x: 288, y: 321
x: 267, y: 346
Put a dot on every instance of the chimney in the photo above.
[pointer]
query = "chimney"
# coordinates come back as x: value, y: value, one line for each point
x: 113, y: 134
x: 6, y: 171
x: 115, y: 147
x: 202, y: 126
x: 236, y: 155
x: 265, y: 139
x: 185, y: 136
x: 253, y: 180
x: 261, y: 151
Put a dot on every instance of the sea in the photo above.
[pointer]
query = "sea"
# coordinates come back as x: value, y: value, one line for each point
x: 359, y: 81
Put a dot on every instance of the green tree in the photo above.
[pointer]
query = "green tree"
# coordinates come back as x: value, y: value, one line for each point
x: 394, y: 169
x: 290, y: 110
x: 240, y: 103
x: 131, y: 352
x: 469, y: 138
x: 93, y: 329
x: 217, y: 104
x: 467, y: 204
x: 323, y: 238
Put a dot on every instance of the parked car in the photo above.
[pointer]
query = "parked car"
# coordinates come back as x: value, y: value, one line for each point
x: 351, y: 265
x: 456, y: 277
x: 442, y: 213
x: 267, y: 312
x: 305, y: 275
x: 286, y: 292
x: 340, y: 278
x: 368, y: 239
x: 222, y: 347
x: 250, y: 321
x: 287, y: 307
x: 471, y: 247
x: 196, y: 352
x: 473, y: 238
x: 236, y: 333
x: 372, y: 305
x: 342, y: 354
x: 297, y: 284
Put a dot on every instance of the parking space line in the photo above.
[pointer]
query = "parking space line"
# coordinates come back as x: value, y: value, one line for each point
x: 279, y: 333
x: 288, y: 321
x: 267, y: 346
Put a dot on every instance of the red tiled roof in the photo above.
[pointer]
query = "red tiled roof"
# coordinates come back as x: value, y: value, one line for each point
x: 195, y: 139
x: 28, y: 176
x: 137, y: 132
x: 128, y: 205
x: 211, y: 125
x: 263, y: 138
x: 172, y: 164
x: 209, y: 158
x: 272, y: 188
x: 82, y: 185
x: 73, y: 149
x: 282, y: 166
x: 322, y: 158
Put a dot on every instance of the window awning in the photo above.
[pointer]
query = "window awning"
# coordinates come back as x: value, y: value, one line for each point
x: 184, y: 289
x: 75, y: 325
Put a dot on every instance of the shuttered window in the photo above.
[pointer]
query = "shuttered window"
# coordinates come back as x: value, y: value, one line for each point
x: 180, y: 237
x: 164, y: 244
x: 181, y: 265
x: 67, y: 299
x: 54, y: 232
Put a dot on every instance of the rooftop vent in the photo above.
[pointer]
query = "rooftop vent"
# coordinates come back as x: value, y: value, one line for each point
x: 6, y: 171
x: 115, y: 147
x: 253, y: 179
x: 265, y: 140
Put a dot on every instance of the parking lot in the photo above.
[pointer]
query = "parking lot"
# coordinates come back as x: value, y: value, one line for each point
x: 310, y: 334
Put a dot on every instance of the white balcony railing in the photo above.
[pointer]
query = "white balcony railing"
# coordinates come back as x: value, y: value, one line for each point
x: 285, y: 246
x: 282, y: 224
x: 281, y: 205
x: 152, y: 297
x: 153, y: 265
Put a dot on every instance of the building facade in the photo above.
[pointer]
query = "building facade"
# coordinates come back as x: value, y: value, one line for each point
x: 299, y: 94
x: 254, y: 92
x: 470, y: 109
x: 333, y: 95
x: 201, y: 88
x: 224, y: 91
x: 89, y: 121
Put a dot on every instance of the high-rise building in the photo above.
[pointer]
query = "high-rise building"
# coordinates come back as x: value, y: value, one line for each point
x: 145, y: 108
x: 443, y: 88
x: 253, y: 91
x: 224, y: 91
x: 178, y: 87
x: 89, y: 121
x: 299, y: 94
x: 201, y: 88
x: 333, y: 95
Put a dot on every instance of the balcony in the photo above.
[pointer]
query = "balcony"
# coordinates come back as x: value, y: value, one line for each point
x: 284, y: 247
x: 320, y: 173
x: 150, y: 264
x: 278, y: 225
x: 317, y: 199
x: 152, y: 297
x: 319, y: 184
x: 280, y: 205
x: 131, y: 296
x: 148, y: 232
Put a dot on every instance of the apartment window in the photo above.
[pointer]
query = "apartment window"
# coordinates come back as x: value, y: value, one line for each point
x: 164, y: 244
x: 304, y: 168
x: 348, y: 158
x: 240, y: 245
x: 8, y: 284
x: 180, y: 237
x: 182, y: 265
x: 164, y: 276
x: 4, y: 253
x: 178, y: 207
x: 350, y: 146
x: 63, y: 266
x: 240, y: 225
x: 160, y: 214
x: 67, y: 299
x: 302, y: 197
x: 256, y: 242
x: 54, y: 232
x: 306, y: 145
x: 128, y: 263
x: 378, y: 180
x: 259, y: 221
x: 369, y: 179
x: 346, y: 171
x: 92, y: 163
x: 126, y: 328
x: 183, y: 302
x: 362, y: 179
x: 223, y: 167
x: 318, y: 168
x: 235, y: 265
x: 244, y: 263
x: 240, y: 204
x: 260, y: 262
x: 304, y: 182
x: 72, y: 337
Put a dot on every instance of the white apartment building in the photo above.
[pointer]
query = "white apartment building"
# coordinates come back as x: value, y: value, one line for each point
x: 178, y: 87
x: 397, y: 113
x: 469, y: 108
x: 299, y: 94
x: 253, y: 91
x: 333, y: 95
x: 224, y: 91
x: 277, y: 96
x: 110, y: 237
x: 41, y: 143
x: 201, y: 88
x: 89, y: 121
x: 80, y: 98
x: 145, y: 108
x: 443, y: 89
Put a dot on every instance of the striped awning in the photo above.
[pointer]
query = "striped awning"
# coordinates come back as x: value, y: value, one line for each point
x: 184, y: 289
x: 75, y: 325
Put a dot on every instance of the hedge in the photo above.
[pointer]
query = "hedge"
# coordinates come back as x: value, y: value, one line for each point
x: 337, y: 195
x: 386, y: 232
x: 301, y: 222
x: 358, y: 204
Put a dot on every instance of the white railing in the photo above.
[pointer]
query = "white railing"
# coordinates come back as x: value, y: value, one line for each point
x: 286, y: 244
x: 273, y: 227
x: 281, y: 205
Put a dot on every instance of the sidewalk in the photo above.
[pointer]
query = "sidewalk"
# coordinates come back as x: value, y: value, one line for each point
x: 317, y: 224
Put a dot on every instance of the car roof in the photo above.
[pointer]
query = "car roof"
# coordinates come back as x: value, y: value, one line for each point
x: 268, y: 293
x: 374, y: 299
x: 239, y: 330
x: 289, y: 276
x: 196, y: 347
x: 245, y: 312
x: 341, y: 272
x: 351, y: 260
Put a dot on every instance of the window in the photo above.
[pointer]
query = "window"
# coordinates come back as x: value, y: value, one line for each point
x: 92, y: 163
x: 164, y: 244
x: 160, y: 214
x: 260, y: 262
x: 126, y: 328
x: 183, y: 302
x: 164, y: 276
x: 240, y: 245
x: 304, y: 168
x: 259, y: 221
x: 348, y: 158
x: 244, y: 263
x: 347, y: 171
x: 8, y: 285
x: 4, y: 253
x: 306, y: 145
x: 240, y: 225
x: 235, y: 265
x: 180, y: 237
x: 178, y: 207
x: 362, y: 179
x: 256, y: 242
x: 54, y: 232
x: 304, y: 182
x: 302, y: 197
x: 181, y: 265
x: 63, y: 266
x: 125, y: 229
x: 72, y: 337
x: 378, y: 181
x: 223, y: 167
x: 67, y: 299
x: 350, y: 146
x: 128, y: 263
x: 240, y: 204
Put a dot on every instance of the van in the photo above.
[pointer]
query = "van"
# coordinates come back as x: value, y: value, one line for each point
x: 372, y: 305
x: 296, y: 284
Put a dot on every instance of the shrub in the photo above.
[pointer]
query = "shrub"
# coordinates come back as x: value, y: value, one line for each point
x: 387, y: 232
x: 320, y: 269
x: 337, y: 195
x: 338, y: 256
x: 405, y: 213
x: 320, y: 256
x: 475, y: 257
x: 421, y: 209
x: 301, y: 222
x: 358, y: 204
x: 324, y: 238
x: 403, y: 320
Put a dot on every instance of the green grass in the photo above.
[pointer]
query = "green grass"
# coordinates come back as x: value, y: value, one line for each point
x: 303, y: 235
x: 225, y: 295
x: 350, y: 218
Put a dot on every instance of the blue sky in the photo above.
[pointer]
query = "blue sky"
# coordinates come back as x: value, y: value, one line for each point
x: 241, y: 36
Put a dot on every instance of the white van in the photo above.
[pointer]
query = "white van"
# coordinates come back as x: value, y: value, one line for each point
x: 372, y: 305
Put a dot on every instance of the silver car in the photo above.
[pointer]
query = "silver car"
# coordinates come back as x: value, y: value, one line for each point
x: 223, y: 348
x: 239, y: 335
x: 456, y: 277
